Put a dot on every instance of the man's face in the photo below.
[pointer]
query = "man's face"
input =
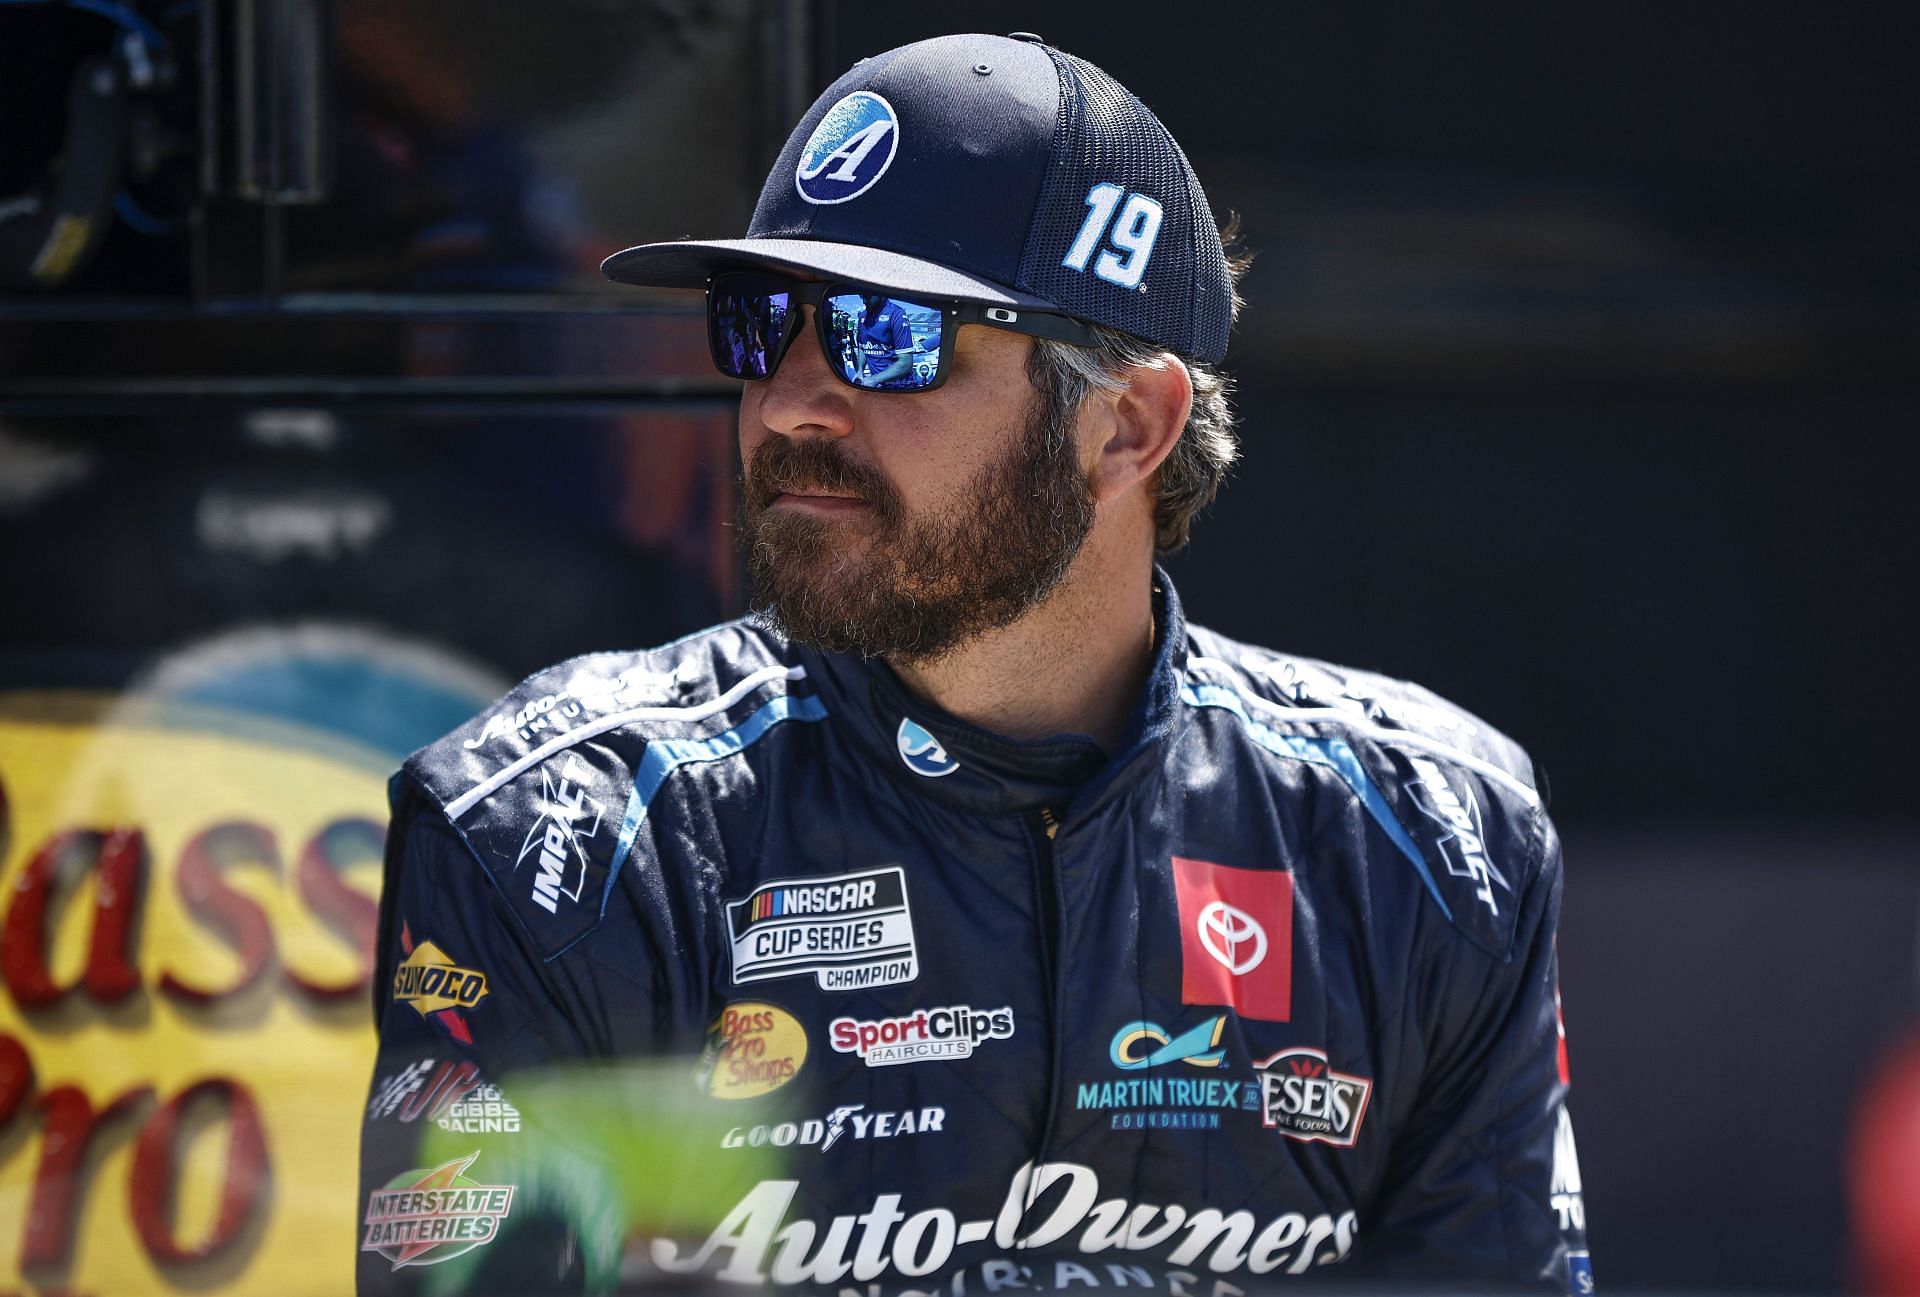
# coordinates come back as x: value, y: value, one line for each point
x: 903, y: 525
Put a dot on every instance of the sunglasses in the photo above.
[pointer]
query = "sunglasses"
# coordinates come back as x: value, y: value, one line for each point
x: 874, y: 340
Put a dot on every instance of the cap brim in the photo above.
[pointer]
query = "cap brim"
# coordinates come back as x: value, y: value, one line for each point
x: 689, y: 264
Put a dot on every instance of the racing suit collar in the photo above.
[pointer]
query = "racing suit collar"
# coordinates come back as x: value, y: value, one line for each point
x: 941, y: 756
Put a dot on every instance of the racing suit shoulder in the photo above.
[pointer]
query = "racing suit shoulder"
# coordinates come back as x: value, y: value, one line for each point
x: 1458, y: 797
x: 544, y: 786
x: 1483, y: 1177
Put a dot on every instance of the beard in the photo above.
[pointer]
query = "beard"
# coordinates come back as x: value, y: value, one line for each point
x: 924, y: 585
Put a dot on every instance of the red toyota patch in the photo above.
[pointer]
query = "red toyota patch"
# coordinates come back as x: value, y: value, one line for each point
x: 1236, y: 938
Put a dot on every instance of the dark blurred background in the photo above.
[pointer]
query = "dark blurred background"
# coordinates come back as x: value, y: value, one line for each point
x: 1579, y: 376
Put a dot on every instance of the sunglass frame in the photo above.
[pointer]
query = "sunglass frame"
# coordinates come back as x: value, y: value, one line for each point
x: 814, y: 292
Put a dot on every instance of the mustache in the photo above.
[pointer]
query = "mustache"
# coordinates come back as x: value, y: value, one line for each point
x: 784, y: 464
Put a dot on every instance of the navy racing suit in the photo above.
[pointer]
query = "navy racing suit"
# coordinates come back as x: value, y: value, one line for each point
x: 1269, y: 987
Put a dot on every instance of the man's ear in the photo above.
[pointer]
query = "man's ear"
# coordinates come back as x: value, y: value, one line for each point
x: 1138, y: 425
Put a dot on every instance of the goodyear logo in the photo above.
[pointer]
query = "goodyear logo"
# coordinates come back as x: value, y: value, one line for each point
x: 430, y: 981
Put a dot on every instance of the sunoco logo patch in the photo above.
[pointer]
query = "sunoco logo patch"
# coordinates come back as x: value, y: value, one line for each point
x: 851, y: 931
x: 431, y: 982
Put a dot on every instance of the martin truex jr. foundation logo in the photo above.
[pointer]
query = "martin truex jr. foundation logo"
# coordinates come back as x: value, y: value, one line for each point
x: 1303, y: 1098
x: 557, y: 842
x: 426, y: 1217
x: 851, y: 931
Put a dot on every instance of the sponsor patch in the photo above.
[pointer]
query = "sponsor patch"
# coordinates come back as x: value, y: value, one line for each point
x: 849, y: 1121
x: 921, y: 752
x: 849, y: 150
x: 1146, y: 1044
x: 426, y: 1217
x: 1461, y: 835
x: 1579, y: 1274
x: 1054, y: 1209
x: 1167, y: 1102
x: 952, y: 1031
x: 557, y: 844
x: 850, y: 931
x: 1236, y: 938
x: 438, y: 989
x: 753, y: 1048
x: 586, y: 694
x: 1303, y: 1098
x: 1567, y: 1200
x: 452, y: 1094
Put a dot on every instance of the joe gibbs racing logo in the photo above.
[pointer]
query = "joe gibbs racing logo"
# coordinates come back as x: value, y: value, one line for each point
x: 756, y: 1242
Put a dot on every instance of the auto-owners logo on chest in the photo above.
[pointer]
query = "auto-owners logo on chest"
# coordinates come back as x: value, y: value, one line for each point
x: 851, y: 931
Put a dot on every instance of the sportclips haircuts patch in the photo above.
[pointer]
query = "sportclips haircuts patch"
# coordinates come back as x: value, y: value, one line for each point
x: 851, y: 931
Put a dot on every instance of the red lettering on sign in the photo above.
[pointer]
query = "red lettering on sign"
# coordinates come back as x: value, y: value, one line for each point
x: 150, y: 1184
x: 209, y: 897
x: 353, y: 916
x: 71, y: 1124
x: 117, y: 858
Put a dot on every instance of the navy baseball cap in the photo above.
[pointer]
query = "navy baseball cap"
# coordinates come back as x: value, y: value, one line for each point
x: 986, y: 169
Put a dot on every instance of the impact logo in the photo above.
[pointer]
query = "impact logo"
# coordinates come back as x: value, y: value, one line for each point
x: 848, y: 1121
x: 437, y: 988
x: 922, y: 752
x: 1463, y: 845
x: 851, y: 931
x: 1140, y: 1045
x: 849, y: 150
x: 1303, y: 1098
x: 949, y: 1032
x: 426, y: 1217
x: 568, y: 820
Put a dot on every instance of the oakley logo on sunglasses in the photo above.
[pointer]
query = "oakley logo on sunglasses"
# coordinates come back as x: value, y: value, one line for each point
x: 849, y: 150
x: 1001, y: 315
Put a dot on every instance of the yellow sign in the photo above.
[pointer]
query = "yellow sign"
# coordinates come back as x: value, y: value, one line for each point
x: 753, y: 1048
x: 184, y: 1009
x: 430, y: 981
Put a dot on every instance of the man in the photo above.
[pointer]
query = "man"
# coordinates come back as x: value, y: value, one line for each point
x: 1035, y: 937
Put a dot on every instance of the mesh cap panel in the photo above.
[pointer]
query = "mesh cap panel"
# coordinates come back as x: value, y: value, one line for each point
x: 1106, y: 136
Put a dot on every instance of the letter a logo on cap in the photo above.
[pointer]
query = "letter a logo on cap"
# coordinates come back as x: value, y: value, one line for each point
x: 849, y: 150
x: 1236, y: 938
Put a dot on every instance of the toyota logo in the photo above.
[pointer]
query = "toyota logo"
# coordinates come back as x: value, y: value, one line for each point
x: 1232, y: 937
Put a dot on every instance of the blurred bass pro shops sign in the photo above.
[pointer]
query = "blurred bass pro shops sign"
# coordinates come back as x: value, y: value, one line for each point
x: 186, y: 942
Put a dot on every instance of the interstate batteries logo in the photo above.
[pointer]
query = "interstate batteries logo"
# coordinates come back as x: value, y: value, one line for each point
x: 850, y: 931
x: 949, y: 1032
x: 1303, y: 1098
x: 426, y: 1217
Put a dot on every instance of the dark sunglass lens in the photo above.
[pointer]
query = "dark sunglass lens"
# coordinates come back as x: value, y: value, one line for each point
x: 746, y: 328
x: 882, y: 343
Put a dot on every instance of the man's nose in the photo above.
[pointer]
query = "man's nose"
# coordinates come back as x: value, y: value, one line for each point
x: 803, y: 397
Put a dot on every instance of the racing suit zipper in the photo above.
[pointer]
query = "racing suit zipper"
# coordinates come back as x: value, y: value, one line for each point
x: 1047, y: 891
